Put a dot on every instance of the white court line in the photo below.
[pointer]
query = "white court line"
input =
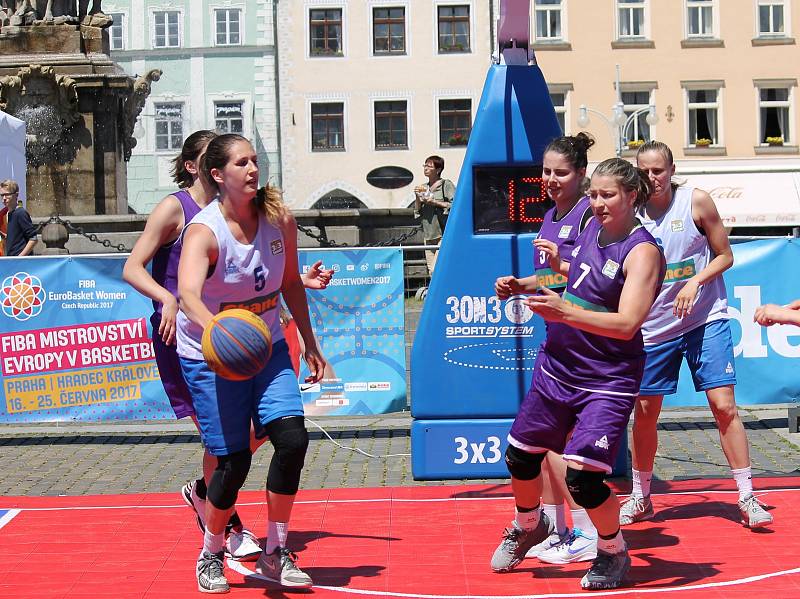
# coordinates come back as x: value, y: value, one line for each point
x: 8, y: 517
x: 241, y: 569
x: 757, y: 493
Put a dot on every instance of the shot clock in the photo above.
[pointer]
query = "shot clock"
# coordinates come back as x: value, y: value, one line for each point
x: 473, y: 354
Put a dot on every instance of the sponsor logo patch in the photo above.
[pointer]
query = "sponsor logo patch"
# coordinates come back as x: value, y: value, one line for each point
x: 610, y: 269
x: 276, y: 246
x: 564, y: 231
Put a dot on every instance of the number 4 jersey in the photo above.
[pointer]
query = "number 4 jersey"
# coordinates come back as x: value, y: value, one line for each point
x: 594, y: 282
x: 246, y: 276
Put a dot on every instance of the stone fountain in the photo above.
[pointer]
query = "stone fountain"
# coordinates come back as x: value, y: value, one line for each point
x: 79, y: 106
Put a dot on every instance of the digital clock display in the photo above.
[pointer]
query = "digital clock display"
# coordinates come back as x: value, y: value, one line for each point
x: 508, y: 199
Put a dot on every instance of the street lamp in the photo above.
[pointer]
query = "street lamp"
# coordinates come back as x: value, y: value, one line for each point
x: 618, y: 122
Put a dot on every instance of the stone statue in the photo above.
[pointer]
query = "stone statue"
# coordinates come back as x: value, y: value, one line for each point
x: 133, y: 107
x: 53, y: 12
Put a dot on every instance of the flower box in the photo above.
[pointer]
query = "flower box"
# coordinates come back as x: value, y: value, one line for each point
x: 635, y: 143
x: 702, y: 142
x: 774, y: 141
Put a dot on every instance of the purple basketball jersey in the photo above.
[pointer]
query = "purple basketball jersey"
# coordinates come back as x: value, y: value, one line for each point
x: 595, y: 282
x: 165, y: 260
x: 563, y: 232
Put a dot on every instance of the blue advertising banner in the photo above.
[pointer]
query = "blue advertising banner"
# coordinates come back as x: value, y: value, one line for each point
x: 74, y: 343
x: 360, y: 323
x: 764, y: 272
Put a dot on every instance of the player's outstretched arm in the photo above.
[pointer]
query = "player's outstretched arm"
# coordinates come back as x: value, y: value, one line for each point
x: 771, y: 314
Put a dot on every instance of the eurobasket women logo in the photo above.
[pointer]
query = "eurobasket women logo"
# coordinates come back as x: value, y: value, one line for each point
x: 22, y: 296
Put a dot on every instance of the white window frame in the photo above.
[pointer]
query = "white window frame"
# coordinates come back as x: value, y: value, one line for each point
x: 452, y: 95
x: 787, y: 19
x: 548, y: 8
x: 329, y: 99
x: 409, y: 120
x: 699, y: 4
x: 687, y: 106
x: 473, y: 40
x: 123, y: 30
x: 242, y: 22
x: 791, y: 139
x: 567, y: 91
x: 639, y: 4
x: 324, y: 5
x: 405, y: 5
x: 632, y: 127
x: 247, y: 109
x: 184, y: 102
x: 153, y: 13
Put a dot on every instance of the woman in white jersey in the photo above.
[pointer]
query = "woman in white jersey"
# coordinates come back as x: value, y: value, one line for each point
x: 689, y: 319
x: 241, y: 251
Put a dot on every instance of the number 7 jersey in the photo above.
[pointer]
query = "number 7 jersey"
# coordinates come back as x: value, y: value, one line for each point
x: 594, y: 282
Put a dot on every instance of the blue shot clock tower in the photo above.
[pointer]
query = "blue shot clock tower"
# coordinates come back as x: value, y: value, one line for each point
x: 473, y: 354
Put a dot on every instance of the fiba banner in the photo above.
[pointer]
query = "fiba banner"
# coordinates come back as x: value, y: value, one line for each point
x: 74, y: 343
x: 764, y: 272
x: 360, y: 323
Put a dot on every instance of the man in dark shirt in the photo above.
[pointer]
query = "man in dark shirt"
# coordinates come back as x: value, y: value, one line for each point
x: 21, y: 234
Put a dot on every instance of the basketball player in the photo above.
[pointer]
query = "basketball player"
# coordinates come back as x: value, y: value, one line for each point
x: 588, y: 372
x: 689, y: 319
x: 564, y: 174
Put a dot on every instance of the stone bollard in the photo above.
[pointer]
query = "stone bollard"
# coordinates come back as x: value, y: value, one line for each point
x: 55, y: 237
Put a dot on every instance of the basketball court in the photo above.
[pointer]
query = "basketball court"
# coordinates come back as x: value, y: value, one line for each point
x: 430, y: 542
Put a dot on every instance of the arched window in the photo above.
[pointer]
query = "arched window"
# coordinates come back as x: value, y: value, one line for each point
x: 337, y: 200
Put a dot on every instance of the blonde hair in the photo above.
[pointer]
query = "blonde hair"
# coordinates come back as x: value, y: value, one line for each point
x: 11, y: 185
x: 269, y: 200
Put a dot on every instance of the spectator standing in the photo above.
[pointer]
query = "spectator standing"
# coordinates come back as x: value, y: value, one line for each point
x: 21, y: 234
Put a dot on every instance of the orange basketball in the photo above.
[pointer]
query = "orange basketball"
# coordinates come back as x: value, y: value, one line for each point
x: 236, y: 344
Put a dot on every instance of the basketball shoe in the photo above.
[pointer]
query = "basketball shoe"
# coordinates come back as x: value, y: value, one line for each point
x: 608, y: 571
x: 279, y: 566
x: 753, y: 513
x: 211, y: 573
x: 516, y: 543
x: 550, y: 542
x: 635, y: 509
x: 193, y: 500
x: 242, y: 546
x: 578, y: 547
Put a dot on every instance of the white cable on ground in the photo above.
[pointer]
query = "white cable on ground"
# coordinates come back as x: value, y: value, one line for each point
x: 356, y: 449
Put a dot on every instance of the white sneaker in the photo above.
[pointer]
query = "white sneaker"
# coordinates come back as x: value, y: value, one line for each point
x: 579, y: 547
x: 551, y: 541
x: 279, y: 566
x: 192, y: 499
x: 242, y: 546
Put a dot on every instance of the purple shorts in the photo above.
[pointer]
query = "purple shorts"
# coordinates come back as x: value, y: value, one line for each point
x: 169, y: 369
x: 552, y: 408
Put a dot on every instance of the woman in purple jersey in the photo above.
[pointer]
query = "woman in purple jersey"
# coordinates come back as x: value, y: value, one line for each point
x: 160, y: 243
x: 564, y: 174
x: 588, y: 372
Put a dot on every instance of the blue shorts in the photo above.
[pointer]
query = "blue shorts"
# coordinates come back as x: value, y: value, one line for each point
x: 225, y: 409
x: 708, y: 350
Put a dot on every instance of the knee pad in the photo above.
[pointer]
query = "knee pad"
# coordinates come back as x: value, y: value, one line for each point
x: 289, y: 437
x: 228, y: 478
x: 587, y: 488
x: 523, y: 465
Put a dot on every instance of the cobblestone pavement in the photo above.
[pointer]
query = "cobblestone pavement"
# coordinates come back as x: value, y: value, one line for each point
x: 118, y: 458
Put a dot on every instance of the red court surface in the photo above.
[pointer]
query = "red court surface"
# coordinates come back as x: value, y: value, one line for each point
x: 430, y: 542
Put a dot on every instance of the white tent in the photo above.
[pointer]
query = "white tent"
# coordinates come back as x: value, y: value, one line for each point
x: 12, y: 151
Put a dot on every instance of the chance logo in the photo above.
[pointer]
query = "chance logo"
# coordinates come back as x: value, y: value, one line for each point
x: 22, y: 296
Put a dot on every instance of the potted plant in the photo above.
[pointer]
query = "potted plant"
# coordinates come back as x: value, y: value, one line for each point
x: 457, y: 139
x: 774, y: 141
x: 702, y: 142
x: 635, y: 143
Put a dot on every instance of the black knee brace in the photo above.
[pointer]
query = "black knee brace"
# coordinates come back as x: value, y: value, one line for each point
x: 523, y: 465
x: 289, y: 437
x: 587, y: 488
x: 228, y: 478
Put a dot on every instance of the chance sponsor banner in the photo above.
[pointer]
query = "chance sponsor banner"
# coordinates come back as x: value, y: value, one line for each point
x: 360, y: 323
x: 74, y: 343
x: 764, y: 272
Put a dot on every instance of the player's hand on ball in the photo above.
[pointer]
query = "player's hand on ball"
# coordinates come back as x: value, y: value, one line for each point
x: 547, y: 304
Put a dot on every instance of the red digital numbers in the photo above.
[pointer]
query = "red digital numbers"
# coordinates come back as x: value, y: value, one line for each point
x: 517, y: 207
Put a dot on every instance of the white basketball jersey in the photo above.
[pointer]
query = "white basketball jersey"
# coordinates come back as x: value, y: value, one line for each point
x: 687, y: 252
x: 246, y: 276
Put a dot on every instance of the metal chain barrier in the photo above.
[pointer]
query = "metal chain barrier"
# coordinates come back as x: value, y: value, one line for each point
x: 323, y: 240
x: 56, y: 219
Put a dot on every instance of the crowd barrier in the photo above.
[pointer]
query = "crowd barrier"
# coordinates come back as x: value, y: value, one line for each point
x: 74, y: 339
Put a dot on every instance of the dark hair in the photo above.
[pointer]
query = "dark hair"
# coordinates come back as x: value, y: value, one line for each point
x: 192, y: 148
x: 268, y: 199
x: 628, y: 176
x: 438, y: 163
x: 573, y: 148
x: 655, y: 146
